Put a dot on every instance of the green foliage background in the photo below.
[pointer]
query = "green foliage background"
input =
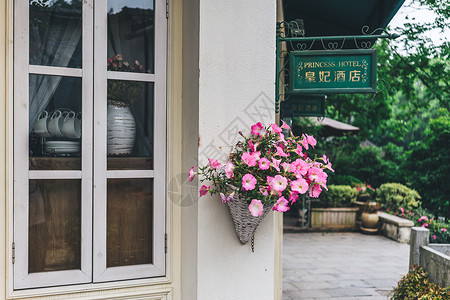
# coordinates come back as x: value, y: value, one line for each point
x: 409, y: 121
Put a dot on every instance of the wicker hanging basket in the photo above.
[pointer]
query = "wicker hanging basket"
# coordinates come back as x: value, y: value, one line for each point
x: 244, y: 223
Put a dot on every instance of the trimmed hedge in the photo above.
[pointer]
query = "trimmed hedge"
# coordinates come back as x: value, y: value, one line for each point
x: 395, y: 196
x: 337, y: 196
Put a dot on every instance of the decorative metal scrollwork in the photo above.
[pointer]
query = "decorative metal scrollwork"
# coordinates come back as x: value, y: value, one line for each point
x: 291, y: 37
x: 333, y: 45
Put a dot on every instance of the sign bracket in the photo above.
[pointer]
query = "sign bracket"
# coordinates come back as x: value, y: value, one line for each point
x: 290, y: 38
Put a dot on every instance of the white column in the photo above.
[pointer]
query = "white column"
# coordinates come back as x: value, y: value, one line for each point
x: 236, y: 90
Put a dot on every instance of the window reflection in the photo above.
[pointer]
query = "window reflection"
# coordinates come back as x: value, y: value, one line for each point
x: 130, y: 125
x: 55, y: 122
x: 55, y: 33
x: 54, y: 225
x: 129, y: 222
x: 131, y: 33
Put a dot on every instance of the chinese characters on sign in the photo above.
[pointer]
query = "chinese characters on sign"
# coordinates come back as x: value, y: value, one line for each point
x: 307, y: 105
x: 337, y: 71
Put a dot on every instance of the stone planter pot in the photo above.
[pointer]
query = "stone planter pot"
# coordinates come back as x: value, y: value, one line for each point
x: 369, y: 222
x: 121, y: 131
x: 334, y: 218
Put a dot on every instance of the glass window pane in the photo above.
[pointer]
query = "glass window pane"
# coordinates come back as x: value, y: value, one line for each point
x: 129, y: 222
x: 130, y: 125
x: 131, y: 35
x: 54, y: 225
x: 55, y: 123
x: 55, y: 33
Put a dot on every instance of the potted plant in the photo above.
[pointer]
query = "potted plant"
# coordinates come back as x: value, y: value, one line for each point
x: 121, y: 94
x: 334, y: 210
x: 265, y: 171
x: 365, y: 192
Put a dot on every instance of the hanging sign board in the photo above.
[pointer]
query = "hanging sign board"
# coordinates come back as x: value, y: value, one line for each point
x: 333, y: 72
x: 307, y: 105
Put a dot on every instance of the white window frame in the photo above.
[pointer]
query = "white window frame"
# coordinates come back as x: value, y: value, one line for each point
x: 93, y: 171
x: 101, y: 272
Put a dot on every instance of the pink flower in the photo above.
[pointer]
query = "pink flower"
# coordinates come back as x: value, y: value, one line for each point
x: 281, y: 139
x: 300, y: 185
x: 276, y: 164
x: 258, y: 129
x: 311, y: 140
x: 252, y: 146
x: 204, y: 190
x: 280, y: 152
x: 434, y: 237
x: 278, y: 183
x: 286, y: 166
x: 248, y: 182
x: 275, y: 128
x: 230, y: 197
x: 264, y: 163
x: 299, y: 167
x: 229, y: 168
x: 327, y: 162
x: 191, y: 174
x: 304, y: 142
x: 293, y: 197
x: 256, y: 208
x: 299, y: 150
x: 214, y: 164
x: 425, y: 225
x: 317, y: 175
x: 249, y: 159
x: 284, y: 125
x: 256, y: 155
x: 443, y: 230
x: 328, y: 166
x: 263, y: 190
x: 423, y: 218
x: 223, y: 197
x: 282, y: 205
x: 315, y: 191
x: 402, y: 210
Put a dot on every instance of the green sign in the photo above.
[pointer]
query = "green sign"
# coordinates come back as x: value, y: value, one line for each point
x: 307, y: 105
x: 333, y: 72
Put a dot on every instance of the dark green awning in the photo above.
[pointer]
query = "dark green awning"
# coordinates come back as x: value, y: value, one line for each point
x: 340, y: 17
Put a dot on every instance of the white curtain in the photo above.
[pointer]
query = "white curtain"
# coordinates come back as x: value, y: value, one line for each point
x: 58, y: 44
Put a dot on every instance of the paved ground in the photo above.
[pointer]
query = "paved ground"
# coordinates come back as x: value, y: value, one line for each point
x: 341, y: 266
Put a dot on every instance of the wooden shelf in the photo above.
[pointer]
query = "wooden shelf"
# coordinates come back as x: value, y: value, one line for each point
x: 130, y: 163
x: 74, y: 163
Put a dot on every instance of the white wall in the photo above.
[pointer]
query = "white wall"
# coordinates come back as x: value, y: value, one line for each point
x: 236, y: 88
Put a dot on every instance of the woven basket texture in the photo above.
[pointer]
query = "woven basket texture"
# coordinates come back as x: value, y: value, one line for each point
x: 244, y: 223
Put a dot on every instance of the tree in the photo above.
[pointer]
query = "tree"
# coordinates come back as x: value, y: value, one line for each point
x: 428, y: 165
x: 409, y: 117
